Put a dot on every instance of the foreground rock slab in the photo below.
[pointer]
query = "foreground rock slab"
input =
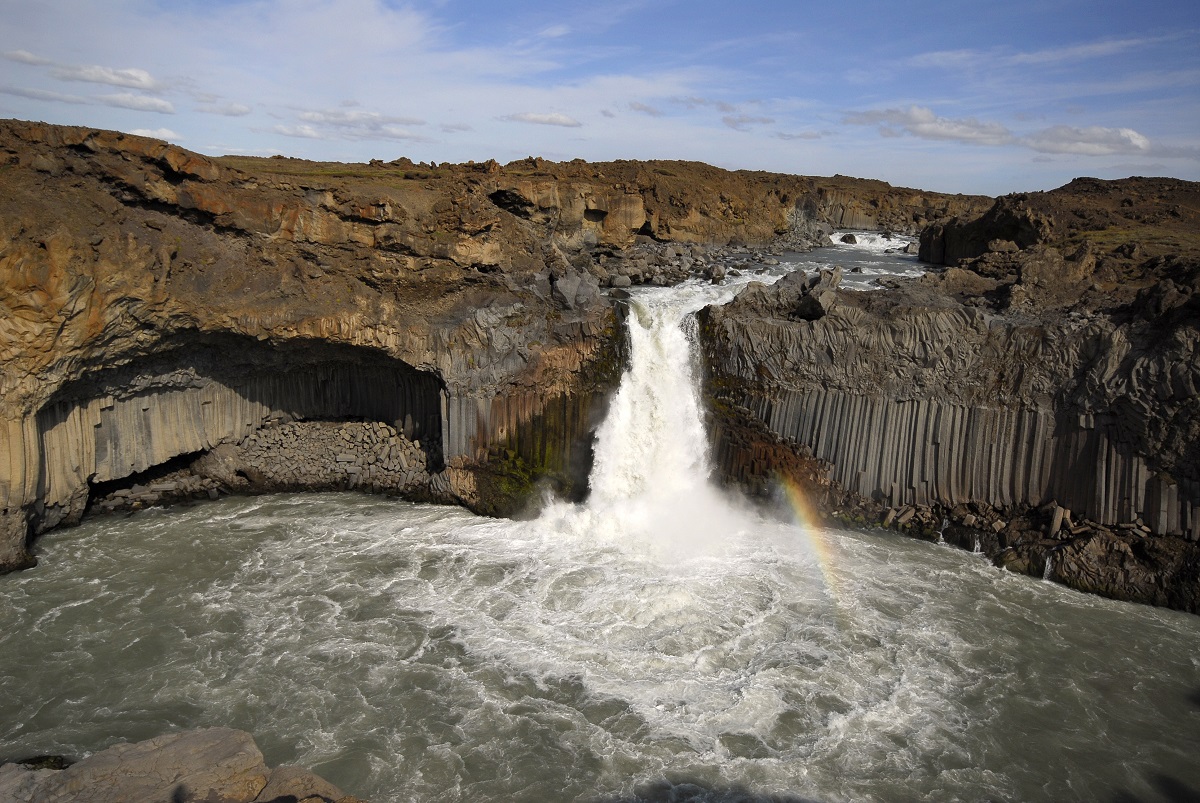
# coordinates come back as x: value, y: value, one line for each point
x: 215, y: 765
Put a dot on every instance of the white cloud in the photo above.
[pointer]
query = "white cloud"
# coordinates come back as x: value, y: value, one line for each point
x: 323, y: 130
x: 551, y: 118
x: 1004, y: 57
x: 25, y: 57
x: 141, y: 103
x: 130, y: 78
x: 1091, y: 141
x: 947, y: 59
x: 356, y: 119
x: 1088, y: 50
x: 156, y: 133
x: 695, y: 102
x: 799, y: 135
x: 42, y: 94
x: 919, y: 121
x: 646, y: 109
x: 742, y: 122
x: 224, y: 109
x: 350, y: 123
x: 301, y: 131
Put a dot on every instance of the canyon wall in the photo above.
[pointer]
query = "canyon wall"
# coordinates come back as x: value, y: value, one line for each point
x: 157, y: 306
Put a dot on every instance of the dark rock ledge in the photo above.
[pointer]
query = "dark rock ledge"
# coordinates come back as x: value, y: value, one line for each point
x: 213, y: 765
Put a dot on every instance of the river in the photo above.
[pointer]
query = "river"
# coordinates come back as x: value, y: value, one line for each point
x: 660, y: 641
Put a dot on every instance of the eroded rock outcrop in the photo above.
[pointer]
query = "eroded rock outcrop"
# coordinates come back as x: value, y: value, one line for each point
x: 160, y: 304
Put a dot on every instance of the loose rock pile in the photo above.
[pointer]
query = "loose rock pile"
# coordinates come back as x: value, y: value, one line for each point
x: 304, y: 455
x: 177, y: 486
x: 371, y: 456
x: 664, y: 264
x: 1124, y: 561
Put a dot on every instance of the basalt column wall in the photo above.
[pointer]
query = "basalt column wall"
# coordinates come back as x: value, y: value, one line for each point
x: 911, y: 398
x: 931, y: 451
x: 124, y: 421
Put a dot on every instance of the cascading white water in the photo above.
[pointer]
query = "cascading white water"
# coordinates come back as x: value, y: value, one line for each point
x: 653, y: 440
x: 650, y: 482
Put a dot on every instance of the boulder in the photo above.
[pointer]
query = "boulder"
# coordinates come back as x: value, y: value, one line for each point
x: 299, y: 784
x: 565, y: 288
x: 215, y: 765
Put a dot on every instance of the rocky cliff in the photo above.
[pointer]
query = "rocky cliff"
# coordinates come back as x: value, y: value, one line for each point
x: 1040, y: 401
x: 160, y: 309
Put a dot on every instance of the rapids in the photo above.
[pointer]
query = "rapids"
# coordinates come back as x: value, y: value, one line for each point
x: 655, y: 641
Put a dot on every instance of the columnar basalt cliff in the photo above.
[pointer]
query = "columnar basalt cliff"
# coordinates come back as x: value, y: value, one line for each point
x: 160, y: 309
x: 1040, y: 401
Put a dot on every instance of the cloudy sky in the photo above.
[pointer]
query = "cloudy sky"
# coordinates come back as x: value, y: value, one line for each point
x: 982, y: 96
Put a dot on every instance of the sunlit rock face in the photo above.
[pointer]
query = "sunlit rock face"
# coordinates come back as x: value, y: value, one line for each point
x: 159, y: 304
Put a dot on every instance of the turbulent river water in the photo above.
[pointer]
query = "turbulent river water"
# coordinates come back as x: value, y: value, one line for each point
x: 657, y: 642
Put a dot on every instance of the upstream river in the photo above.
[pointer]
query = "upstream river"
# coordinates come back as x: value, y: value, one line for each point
x: 658, y: 642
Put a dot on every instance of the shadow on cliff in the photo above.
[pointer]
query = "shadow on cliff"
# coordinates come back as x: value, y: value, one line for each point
x: 686, y: 791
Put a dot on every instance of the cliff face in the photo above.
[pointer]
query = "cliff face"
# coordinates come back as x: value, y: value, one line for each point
x: 158, y: 304
x: 158, y: 307
x: 1023, y: 396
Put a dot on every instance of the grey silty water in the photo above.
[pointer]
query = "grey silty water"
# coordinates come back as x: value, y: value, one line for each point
x: 658, y: 633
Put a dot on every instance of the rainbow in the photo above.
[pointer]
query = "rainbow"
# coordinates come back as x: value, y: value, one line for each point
x: 814, y: 538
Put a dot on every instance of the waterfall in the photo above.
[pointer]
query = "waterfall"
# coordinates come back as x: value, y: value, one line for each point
x: 653, y: 441
x: 1048, y: 570
x: 650, y: 481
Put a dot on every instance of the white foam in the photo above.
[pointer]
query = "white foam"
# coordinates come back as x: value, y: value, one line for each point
x: 870, y: 241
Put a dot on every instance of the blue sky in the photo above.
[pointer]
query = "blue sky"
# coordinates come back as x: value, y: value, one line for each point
x: 987, y: 97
